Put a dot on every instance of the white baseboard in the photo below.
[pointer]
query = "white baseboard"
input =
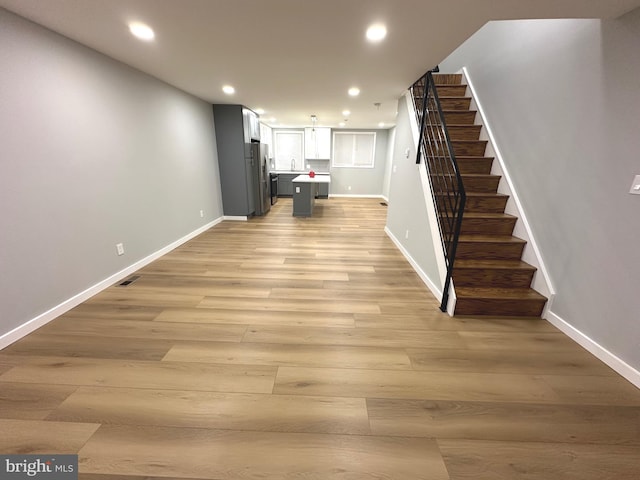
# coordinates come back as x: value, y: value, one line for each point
x: 343, y: 195
x: 421, y: 273
x: 44, y: 318
x: 617, y: 364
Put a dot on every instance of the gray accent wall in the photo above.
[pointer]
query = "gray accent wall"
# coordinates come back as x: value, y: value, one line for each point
x: 563, y: 100
x: 92, y: 153
x: 407, y: 210
x: 363, y: 181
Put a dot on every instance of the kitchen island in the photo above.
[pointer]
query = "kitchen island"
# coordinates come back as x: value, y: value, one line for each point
x: 304, y: 193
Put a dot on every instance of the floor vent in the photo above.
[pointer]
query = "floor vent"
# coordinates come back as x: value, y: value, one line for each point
x: 129, y: 281
x: 384, y: 204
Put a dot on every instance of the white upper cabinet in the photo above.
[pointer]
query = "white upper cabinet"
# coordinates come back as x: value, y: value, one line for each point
x: 317, y: 143
x: 251, y: 125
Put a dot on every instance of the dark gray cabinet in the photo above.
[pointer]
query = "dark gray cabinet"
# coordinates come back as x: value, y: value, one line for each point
x: 236, y: 172
x: 285, y: 187
x: 323, y: 190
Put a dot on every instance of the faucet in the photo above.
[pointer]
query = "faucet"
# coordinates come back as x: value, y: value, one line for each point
x: 293, y: 164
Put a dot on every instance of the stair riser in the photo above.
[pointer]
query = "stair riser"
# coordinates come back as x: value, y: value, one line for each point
x: 479, y: 205
x: 486, y: 204
x: 467, y: 148
x: 487, y: 226
x: 447, y: 78
x: 451, y: 90
x: 459, y: 118
x: 503, y: 278
x: 467, y: 132
x: 499, y: 307
x: 460, y: 103
x: 475, y: 166
x: 489, y: 251
x: 488, y: 184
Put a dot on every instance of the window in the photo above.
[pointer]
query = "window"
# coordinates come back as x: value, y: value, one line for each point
x: 289, y: 150
x: 354, y: 149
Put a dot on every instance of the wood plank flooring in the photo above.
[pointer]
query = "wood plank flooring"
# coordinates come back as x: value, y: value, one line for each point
x: 307, y: 348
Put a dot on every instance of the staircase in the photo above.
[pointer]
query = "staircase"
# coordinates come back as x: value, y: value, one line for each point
x: 489, y: 275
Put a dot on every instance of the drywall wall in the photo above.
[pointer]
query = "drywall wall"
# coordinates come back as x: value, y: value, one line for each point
x: 363, y: 181
x: 563, y: 100
x: 407, y: 216
x: 92, y: 153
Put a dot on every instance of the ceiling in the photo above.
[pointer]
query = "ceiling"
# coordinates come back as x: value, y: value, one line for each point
x: 293, y: 58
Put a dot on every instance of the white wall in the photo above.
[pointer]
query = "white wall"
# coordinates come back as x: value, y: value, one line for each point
x: 563, y: 100
x: 407, y: 211
x: 92, y: 153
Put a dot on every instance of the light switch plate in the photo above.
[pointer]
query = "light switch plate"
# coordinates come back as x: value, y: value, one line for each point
x: 635, y: 186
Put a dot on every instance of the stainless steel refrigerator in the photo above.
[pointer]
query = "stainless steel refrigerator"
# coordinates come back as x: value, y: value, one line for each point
x: 258, y: 161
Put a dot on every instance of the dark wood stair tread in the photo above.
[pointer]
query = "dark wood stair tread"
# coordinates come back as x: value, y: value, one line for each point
x: 494, y: 264
x: 473, y: 157
x: 505, y: 239
x: 500, y: 293
x: 487, y: 216
x: 485, y: 194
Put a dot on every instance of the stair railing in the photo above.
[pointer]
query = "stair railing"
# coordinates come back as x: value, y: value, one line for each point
x: 442, y: 170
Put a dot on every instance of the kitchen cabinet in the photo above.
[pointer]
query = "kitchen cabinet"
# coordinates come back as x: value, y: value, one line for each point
x: 305, y: 193
x: 236, y: 168
x: 317, y: 143
x: 251, y: 125
x: 285, y: 187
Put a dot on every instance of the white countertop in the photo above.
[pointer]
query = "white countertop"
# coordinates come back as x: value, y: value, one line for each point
x: 316, y: 179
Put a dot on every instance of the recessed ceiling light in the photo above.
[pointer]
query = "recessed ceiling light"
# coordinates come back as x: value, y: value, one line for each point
x: 141, y: 31
x: 354, y: 91
x: 381, y: 124
x: 342, y: 124
x: 346, y: 113
x: 228, y: 89
x: 376, y: 32
x: 260, y: 111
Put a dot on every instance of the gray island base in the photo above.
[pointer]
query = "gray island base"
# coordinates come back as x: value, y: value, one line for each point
x: 305, y: 189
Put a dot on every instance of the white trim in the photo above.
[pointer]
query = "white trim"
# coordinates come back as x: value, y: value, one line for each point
x: 44, y: 318
x: 423, y: 276
x: 343, y: 195
x: 547, y: 286
x: 237, y: 218
x: 617, y: 364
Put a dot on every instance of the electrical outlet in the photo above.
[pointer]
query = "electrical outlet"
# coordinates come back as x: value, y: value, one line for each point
x: 297, y: 189
x: 120, y: 249
x: 407, y: 152
x: 406, y: 234
x: 201, y: 213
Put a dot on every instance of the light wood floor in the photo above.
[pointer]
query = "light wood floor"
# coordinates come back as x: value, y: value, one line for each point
x: 284, y: 348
